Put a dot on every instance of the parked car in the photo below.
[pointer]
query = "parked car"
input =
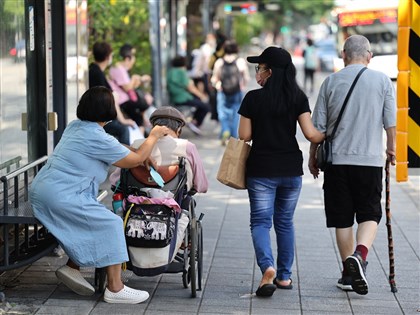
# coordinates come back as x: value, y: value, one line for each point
x: 327, y: 51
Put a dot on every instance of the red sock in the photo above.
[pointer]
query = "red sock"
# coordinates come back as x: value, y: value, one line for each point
x: 363, y: 250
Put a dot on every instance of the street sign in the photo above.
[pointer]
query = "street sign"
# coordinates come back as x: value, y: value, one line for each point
x: 239, y: 8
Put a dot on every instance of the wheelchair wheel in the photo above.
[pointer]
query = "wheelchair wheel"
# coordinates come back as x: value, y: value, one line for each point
x: 192, y: 257
x: 199, y: 253
x: 100, y: 279
x: 186, y: 278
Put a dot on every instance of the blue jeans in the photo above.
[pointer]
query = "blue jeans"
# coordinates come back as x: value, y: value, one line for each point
x: 274, y: 200
x: 227, y: 112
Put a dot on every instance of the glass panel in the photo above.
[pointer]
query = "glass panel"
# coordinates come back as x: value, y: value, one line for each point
x: 77, y: 53
x: 13, y: 141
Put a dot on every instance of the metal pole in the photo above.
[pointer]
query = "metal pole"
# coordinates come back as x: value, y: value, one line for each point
x: 206, y: 17
x: 59, y: 65
x: 154, y: 18
x: 36, y: 79
x: 173, y: 29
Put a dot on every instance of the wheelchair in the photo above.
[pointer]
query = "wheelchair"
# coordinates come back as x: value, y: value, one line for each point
x: 187, y: 249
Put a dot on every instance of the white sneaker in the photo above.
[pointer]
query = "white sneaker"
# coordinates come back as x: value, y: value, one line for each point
x: 58, y: 251
x: 73, y: 279
x: 126, y: 296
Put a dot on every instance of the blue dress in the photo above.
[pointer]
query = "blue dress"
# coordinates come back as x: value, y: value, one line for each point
x: 63, y: 196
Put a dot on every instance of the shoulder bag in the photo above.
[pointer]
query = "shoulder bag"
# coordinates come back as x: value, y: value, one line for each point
x: 324, y: 151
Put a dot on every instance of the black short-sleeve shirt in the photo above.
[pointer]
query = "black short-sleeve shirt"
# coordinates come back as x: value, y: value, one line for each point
x: 275, y: 151
x: 97, y: 77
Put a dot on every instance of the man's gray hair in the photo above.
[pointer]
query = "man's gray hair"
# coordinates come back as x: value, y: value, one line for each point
x: 170, y: 123
x: 356, y: 46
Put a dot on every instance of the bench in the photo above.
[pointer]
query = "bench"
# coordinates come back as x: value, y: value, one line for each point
x: 24, y: 238
x: 8, y: 165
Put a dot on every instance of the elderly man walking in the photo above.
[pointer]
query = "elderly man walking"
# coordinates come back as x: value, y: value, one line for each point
x: 353, y: 181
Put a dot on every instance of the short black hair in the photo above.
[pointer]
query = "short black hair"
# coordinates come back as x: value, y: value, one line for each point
x: 101, y: 51
x: 179, y: 61
x: 97, y: 104
x: 126, y: 51
x: 231, y: 47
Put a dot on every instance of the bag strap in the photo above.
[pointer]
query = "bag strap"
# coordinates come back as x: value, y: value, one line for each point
x: 345, y: 102
x: 124, y: 264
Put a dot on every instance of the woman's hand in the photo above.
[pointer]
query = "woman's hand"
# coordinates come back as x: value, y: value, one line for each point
x: 312, y: 163
x: 313, y: 167
x: 150, y: 163
x: 159, y: 131
x: 136, y: 80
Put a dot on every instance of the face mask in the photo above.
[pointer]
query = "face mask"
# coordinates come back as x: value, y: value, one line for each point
x: 261, y: 81
x: 212, y: 43
x: 110, y: 61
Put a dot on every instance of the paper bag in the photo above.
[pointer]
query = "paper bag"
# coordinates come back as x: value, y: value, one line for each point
x: 232, y: 167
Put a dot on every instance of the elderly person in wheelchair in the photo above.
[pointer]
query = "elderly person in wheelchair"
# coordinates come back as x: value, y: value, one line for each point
x: 170, y: 148
x: 182, y: 175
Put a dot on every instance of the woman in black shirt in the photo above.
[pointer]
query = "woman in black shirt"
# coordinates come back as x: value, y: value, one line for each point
x: 274, y: 166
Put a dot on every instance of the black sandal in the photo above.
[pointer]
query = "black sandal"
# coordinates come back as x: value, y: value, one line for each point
x: 266, y: 290
x: 284, y: 287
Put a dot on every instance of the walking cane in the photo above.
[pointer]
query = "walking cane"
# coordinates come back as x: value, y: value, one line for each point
x: 389, y: 230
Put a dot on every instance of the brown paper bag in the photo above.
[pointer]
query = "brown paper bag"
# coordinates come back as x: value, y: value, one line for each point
x: 232, y: 167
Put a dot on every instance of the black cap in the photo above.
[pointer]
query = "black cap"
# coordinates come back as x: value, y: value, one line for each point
x: 167, y: 112
x: 274, y: 57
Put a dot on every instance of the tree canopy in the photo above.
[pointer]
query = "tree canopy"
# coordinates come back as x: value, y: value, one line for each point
x: 119, y: 22
x: 288, y: 15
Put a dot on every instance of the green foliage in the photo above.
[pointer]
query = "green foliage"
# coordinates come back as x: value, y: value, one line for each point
x: 311, y: 10
x: 292, y: 16
x: 119, y: 22
x: 296, y: 13
x: 12, y: 23
x: 12, y: 7
x: 247, y: 26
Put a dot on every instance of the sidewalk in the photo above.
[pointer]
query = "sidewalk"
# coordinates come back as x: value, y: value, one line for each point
x: 230, y: 275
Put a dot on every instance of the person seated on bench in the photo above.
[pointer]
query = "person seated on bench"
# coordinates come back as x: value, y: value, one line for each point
x: 63, y: 196
x: 168, y: 149
x: 182, y: 91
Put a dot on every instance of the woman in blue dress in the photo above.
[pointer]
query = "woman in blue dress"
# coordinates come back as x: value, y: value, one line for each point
x: 63, y: 196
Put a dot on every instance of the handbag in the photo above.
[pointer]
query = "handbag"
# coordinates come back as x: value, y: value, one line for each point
x: 324, y: 151
x: 324, y: 154
x: 133, y: 95
x: 149, y: 225
x: 232, y: 167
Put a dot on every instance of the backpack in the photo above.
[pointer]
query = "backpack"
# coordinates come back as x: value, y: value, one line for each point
x: 230, y: 78
x: 311, y: 59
